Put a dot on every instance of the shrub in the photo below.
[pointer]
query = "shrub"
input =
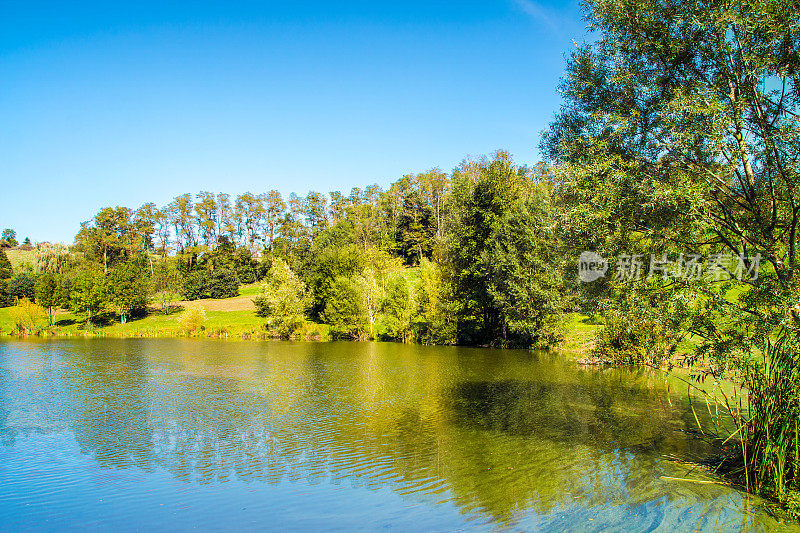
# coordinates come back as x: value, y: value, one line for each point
x: 246, y: 274
x: 28, y: 317
x: 194, y: 286
x: 345, y: 311
x: 283, y: 300
x: 194, y: 320
x: 6, y: 272
x: 220, y: 283
x: 223, y: 283
x: 638, y: 331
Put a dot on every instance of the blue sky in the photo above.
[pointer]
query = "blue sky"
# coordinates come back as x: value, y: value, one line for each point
x: 108, y: 104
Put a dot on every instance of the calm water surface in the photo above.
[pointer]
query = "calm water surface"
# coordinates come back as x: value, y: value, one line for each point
x: 180, y: 434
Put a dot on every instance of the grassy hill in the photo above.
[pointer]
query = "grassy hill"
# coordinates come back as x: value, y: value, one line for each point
x: 18, y: 257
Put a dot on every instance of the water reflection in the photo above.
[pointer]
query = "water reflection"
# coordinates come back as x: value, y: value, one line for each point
x: 506, y: 437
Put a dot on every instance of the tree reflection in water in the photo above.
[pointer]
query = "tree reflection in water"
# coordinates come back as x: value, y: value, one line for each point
x: 501, y: 434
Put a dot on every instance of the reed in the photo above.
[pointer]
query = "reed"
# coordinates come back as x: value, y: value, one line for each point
x: 768, y: 436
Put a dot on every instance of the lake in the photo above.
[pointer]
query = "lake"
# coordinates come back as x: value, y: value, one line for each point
x: 177, y: 434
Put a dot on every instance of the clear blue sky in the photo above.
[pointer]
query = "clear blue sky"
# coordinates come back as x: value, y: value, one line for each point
x: 121, y: 103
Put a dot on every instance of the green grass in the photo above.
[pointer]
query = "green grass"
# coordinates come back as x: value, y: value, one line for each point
x: 254, y: 289
x: 579, y: 332
x: 221, y: 323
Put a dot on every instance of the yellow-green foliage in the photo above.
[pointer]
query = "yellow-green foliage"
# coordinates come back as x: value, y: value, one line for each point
x: 194, y: 320
x: 28, y: 318
x: 21, y: 258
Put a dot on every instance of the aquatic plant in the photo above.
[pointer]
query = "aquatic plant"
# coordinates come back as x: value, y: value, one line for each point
x: 769, y: 438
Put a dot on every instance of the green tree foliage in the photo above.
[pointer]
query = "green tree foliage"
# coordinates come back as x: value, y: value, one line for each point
x: 88, y: 294
x: 23, y: 285
x: 8, y: 238
x: 344, y: 309
x: 679, y: 128
x: 329, y: 264
x: 484, y: 193
x: 283, y: 300
x: 246, y: 266
x: 398, y: 307
x: 194, y: 286
x: 6, y: 272
x: 51, y: 258
x: 434, y: 316
x: 524, y: 279
x: 165, y: 285
x: 223, y: 283
x: 219, y: 283
x: 47, y: 293
x: 127, y: 290
x: 110, y: 237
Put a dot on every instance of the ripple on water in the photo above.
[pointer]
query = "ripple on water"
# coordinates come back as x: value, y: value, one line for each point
x: 176, y: 434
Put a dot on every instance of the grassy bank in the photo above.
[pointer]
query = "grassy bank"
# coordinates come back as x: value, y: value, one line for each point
x: 225, y: 318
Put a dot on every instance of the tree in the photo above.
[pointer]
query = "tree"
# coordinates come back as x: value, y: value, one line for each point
x: 47, y: 293
x: 344, y: 309
x: 51, y: 258
x: 225, y: 219
x: 5, y: 297
x: 274, y: 209
x: 372, y: 294
x: 398, y: 307
x: 88, y: 294
x: 483, y: 193
x: 127, y: 289
x: 331, y: 263
x: 110, y: 237
x: 23, y: 285
x: 524, y: 278
x: 8, y: 239
x: 283, y: 300
x: 223, y: 283
x: 434, y: 317
x: 207, y: 212
x: 250, y: 208
x: 165, y: 285
x: 144, y: 222
x: 6, y: 272
x: 315, y: 212
x: 415, y: 231
x: 195, y: 285
x: 219, y: 283
x: 680, y: 128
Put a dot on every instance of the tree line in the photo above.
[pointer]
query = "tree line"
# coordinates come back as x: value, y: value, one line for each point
x: 459, y: 257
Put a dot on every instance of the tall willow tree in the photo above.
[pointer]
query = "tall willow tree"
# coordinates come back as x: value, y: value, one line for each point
x: 680, y: 133
x: 498, y: 252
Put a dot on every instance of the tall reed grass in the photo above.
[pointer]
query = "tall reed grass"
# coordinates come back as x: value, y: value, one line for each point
x: 768, y: 433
